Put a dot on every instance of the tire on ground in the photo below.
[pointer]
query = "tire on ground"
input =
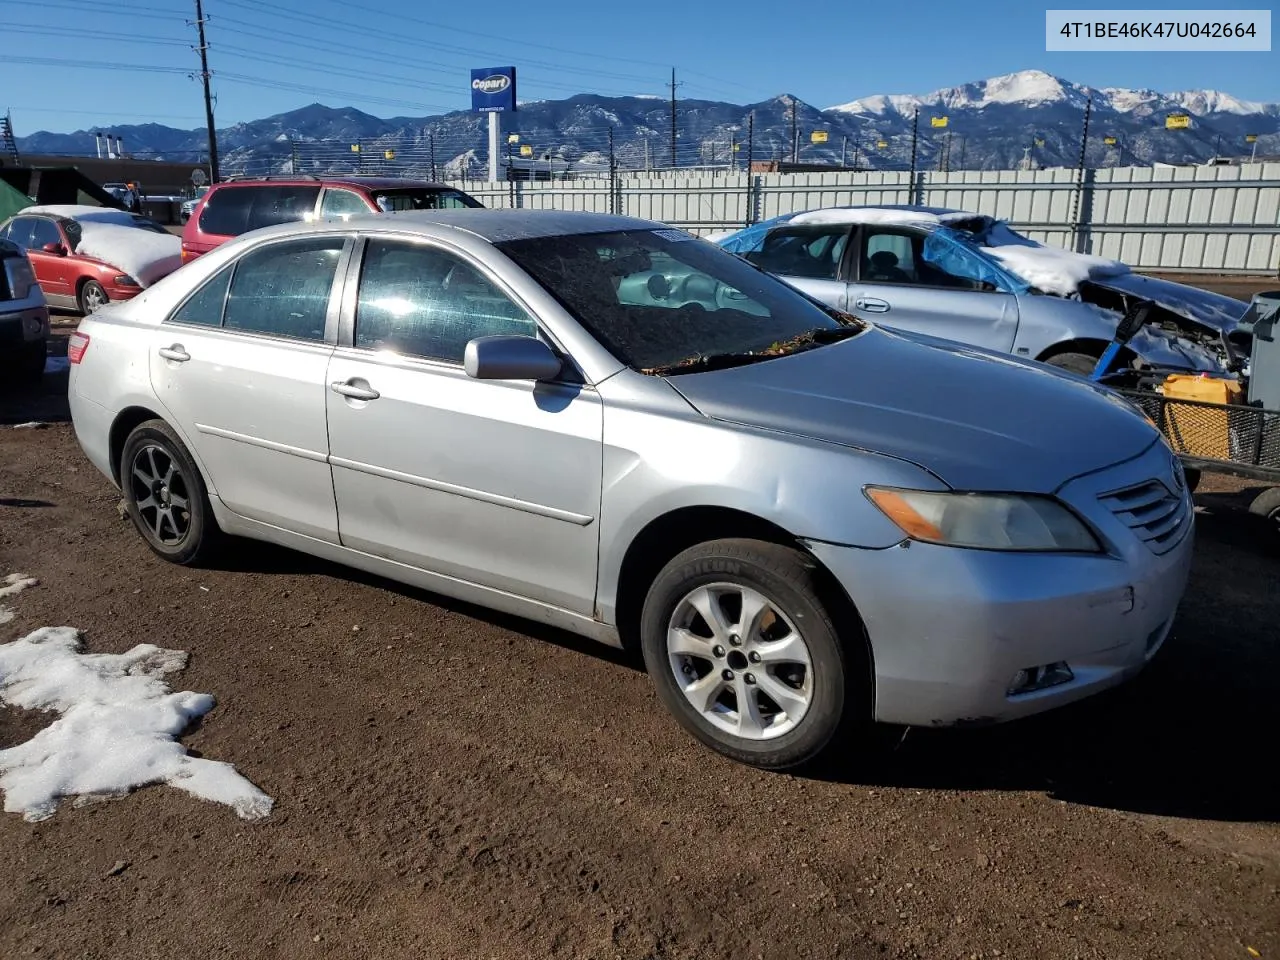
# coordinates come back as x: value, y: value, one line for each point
x: 840, y: 690
x: 202, y: 536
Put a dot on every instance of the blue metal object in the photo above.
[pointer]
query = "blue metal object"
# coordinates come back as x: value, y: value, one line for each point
x: 1105, y: 361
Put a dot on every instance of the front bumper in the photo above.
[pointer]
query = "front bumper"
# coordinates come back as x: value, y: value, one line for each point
x: 949, y: 628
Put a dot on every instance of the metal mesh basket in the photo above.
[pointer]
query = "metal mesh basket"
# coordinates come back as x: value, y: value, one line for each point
x: 1234, y: 435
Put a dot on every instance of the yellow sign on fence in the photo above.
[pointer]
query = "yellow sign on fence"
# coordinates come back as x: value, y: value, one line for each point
x: 881, y: 144
x: 1250, y: 138
x: 1177, y: 121
x: 355, y: 148
x: 818, y: 136
x: 513, y: 138
x: 938, y: 121
x: 526, y: 150
x: 388, y: 154
x: 1109, y: 141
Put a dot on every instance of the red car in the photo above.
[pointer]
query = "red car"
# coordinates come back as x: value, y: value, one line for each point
x: 84, y: 257
x: 234, y: 207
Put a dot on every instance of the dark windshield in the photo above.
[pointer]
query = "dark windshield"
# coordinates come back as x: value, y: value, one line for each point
x: 656, y: 298
x: 422, y: 199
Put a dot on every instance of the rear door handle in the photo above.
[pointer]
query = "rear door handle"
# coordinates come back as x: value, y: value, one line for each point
x: 352, y: 390
x: 175, y: 352
x: 872, y: 304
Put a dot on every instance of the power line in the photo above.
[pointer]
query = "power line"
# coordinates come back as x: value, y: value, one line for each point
x: 98, y: 35
x: 89, y: 6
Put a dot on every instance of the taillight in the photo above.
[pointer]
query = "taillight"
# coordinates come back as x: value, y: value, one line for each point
x: 77, y: 344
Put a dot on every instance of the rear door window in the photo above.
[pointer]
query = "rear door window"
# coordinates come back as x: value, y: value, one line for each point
x: 282, y: 289
x: 342, y: 204
x: 809, y: 252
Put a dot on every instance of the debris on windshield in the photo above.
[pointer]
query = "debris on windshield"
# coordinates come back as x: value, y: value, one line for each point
x: 819, y: 336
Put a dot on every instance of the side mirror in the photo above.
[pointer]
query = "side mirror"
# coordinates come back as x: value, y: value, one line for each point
x: 57, y: 249
x: 510, y: 358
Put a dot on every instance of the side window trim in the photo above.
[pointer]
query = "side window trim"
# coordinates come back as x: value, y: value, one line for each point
x: 572, y: 373
x: 333, y: 309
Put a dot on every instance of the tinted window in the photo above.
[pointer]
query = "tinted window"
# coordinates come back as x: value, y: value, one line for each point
x: 803, y: 252
x: 282, y: 289
x: 422, y: 301
x: 232, y: 211
x: 342, y: 204
x: 205, y: 306
x: 889, y: 256
x: 42, y: 232
x: 660, y: 297
x: 20, y: 232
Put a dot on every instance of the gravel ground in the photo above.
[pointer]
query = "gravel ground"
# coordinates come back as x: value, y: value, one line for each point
x: 452, y: 783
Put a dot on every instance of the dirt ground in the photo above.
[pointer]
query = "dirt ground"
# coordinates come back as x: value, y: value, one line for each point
x: 453, y: 783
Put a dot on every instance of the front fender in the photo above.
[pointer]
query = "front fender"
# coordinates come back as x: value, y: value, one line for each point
x: 654, y: 465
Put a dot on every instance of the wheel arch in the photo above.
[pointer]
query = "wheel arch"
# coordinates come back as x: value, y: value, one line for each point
x: 1092, y: 346
x: 124, y: 424
x: 670, y: 533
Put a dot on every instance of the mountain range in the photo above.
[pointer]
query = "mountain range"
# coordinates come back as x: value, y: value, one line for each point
x: 999, y: 123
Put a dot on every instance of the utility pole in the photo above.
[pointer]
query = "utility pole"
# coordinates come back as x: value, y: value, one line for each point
x: 673, y: 116
x: 751, y: 140
x: 208, y: 97
x: 293, y: 156
x: 915, y: 128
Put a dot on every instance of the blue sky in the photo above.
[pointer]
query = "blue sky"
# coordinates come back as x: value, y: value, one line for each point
x: 400, y: 58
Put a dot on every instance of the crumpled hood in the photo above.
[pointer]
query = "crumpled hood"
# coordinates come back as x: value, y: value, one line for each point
x: 1214, y: 310
x: 979, y: 420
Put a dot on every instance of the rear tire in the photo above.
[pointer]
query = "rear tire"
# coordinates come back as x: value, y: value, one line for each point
x: 165, y: 496
x: 804, y: 685
x: 1267, y: 505
x: 1079, y: 363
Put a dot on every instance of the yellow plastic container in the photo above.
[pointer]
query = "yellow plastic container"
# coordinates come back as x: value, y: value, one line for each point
x: 1199, y: 431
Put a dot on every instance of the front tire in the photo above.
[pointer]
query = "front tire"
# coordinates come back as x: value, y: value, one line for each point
x: 1267, y: 505
x: 165, y: 496
x: 743, y: 650
x: 1078, y: 363
x: 92, y: 297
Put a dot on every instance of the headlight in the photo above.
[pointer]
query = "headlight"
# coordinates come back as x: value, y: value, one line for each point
x: 124, y: 280
x: 988, y: 521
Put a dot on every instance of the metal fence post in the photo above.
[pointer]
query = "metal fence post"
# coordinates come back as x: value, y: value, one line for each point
x: 613, y: 175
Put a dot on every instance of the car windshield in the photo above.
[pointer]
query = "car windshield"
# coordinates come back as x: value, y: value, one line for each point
x: 663, y: 301
x: 421, y: 198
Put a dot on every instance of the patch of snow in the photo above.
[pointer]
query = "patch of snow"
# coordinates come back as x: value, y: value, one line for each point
x: 882, y: 215
x: 1200, y: 102
x: 14, y: 584
x: 29, y: 425
x: 880, y: 104
x: 116, y: 730
x: 83, y: 211
x: 1053, y: 269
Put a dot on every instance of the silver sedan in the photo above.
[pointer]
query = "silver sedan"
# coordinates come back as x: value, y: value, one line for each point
x: 805, y: 522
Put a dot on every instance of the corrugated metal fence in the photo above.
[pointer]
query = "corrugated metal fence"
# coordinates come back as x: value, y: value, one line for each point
x: 1212, y: 219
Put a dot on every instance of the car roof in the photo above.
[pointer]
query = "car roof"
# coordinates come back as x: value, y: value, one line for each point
x: 495, y: 226
x: 370, y: 183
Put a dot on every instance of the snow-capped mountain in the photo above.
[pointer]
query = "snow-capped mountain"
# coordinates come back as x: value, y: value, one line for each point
x: 992, y: 124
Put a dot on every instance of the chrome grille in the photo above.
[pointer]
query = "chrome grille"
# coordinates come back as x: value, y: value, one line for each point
x: 1152, y: 511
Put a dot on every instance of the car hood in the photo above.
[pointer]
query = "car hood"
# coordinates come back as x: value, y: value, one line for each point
x: 1214, y: 310
x: 976, y: 419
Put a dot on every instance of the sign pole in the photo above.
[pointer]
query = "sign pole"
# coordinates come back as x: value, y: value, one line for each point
x: 495, y: 139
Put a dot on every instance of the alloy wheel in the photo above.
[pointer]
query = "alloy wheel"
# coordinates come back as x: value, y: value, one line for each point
x: 160, y: 494
x: 740, y: 661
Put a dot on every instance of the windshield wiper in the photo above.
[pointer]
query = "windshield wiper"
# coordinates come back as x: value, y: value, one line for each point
x: 817, y: 337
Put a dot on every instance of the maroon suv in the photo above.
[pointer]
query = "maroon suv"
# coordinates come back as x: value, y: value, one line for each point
x: 234, y: 207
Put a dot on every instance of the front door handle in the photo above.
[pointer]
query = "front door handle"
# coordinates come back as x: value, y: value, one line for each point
x: 353, y: 390
x: 175, y: 352
x: 872, y: 304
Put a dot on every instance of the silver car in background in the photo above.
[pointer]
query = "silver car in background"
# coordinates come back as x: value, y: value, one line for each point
x: 805, y: 522
x: 970, y: 278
